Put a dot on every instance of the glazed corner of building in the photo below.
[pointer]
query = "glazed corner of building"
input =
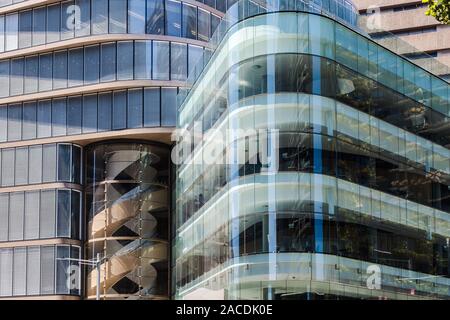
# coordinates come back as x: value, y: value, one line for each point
x: 347, y: 206
x: 87, y: 108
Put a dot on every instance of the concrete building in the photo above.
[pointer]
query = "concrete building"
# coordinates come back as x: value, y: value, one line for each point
x: 407, y: 20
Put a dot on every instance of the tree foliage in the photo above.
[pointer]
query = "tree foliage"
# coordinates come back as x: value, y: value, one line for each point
x: 440, y: 9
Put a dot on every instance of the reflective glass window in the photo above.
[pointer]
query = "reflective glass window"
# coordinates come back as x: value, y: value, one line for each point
x: 168, y: 106
x: 173, y: 18
x: 84, y: 24
x: 76, y: 67
x: 14, y: 122
x: 31, y: 230
x: 203, y: 25
x: 33, y: 270
x: 62, y: 265
x: 155, y: 17
x: 4, y: 216
x: 74, y: 112
x: 8, y: 157
x: 60, y: 69
x: 117, y: 16
x: 17, y: 69
x: 135, y: 108
x: 99, y: 17
x: 49, y: 163
x: 45, y: 71
x: 108, y: 62
x: 39, y: 23
x: 89, y: 113
x: 44, y: 118
x: 68, y: 19
x: 29, y: 120
x: 47, y: 270
x: 189, y: 21
x: 6, y: 272
x: 20, y: 276
x: 178, y: 53
x: 124, y: 60
x: 136, y: 16
x: 75, y: 214
x: 119, y: 109
x: 21, y: 176
x: 31, y: 74
x: 25, y: 27
x: 143, y: 59
x: 4, y: 78
x: 64, y: 162
x: 11, y: 31
x: 59, y: 117
x: 63, y: 218
x: 16, y: 216
x: 47, y: 219
x: 3, y: 122
x: 35, y: 164
x: 104, y: 111
x: 53, y: 22
x: 91, y: 64
x: 160, y: 64
x: 152, y: 101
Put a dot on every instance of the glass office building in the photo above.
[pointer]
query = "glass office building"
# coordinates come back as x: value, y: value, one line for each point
x: 316, y: 164
x: 87, y: 105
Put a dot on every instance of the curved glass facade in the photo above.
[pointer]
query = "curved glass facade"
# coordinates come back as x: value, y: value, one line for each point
x: 314, y: 161
x: 40, y: 270
x: 80, y: 18
x: 95, y: 64
x: 127, y: 194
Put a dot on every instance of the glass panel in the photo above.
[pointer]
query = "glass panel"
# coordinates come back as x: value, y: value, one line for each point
x: 31, y: 74
x: 21, y: 166
x: 152, y: 100
x: 74, y: 112
x: 136, y: 16
x: 47, y: 220
x: 173, y: 19
x: 39, y: 24
x: 189, y: 21
x: 44, y: 118
x: 76, y: 164
x: 4, y: 78
x: 47, y: 270
x: 117, y: 16
x: 4, y: 209
x: 155, y: 17
x: 124, y: 63
x: 25, y: 26
x: 108, y: 62
x: 8, y: 156
x: 31, y: 215
x: 75, y: 214
x: 63, y: 214
x: 84, y: 24
x: 20, y: 276
x: 59, y: 110
x: 53, y: 22
x: 68, y: 19
x: 143, y: 59
x: 35, y: 164
x: 60, y: 70
x: 119, y: 109
x: 2, y: 33
x: 160, y: 60
x: 3, y: 123
x: 45, y: 72
x: 33, y: 270
x: 14, y: 122
x: 64, y: 162
x: 203, y: 25
x: 135, y: 100
x: 168, y: 106
x: 16, y: 216
x: 11, y: 31
x: 91, y: 64
x: 76, y: 67
x: 17, y: 69
x: 62, y: 267
x: 90, y: 113
x: 178, y: 59
x: 6, y: 272
x: 49, y: 163
x: 99, y: 17
x: 104, y: 111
